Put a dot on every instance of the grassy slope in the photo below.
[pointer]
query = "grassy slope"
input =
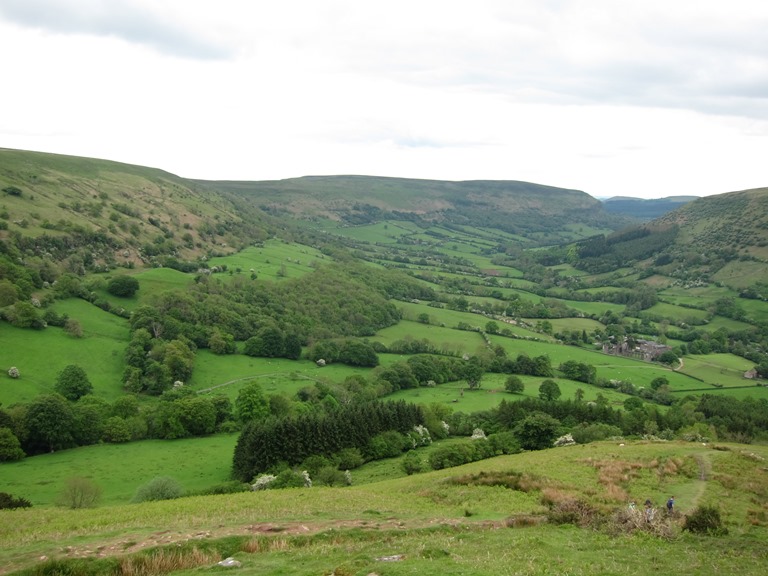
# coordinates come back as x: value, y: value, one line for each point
x: 85, y: 191
x: 439, y: 527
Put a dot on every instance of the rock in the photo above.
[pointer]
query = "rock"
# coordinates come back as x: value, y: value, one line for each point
x: 230, y: 563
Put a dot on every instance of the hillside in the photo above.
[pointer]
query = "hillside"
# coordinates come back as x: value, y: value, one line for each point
x: 87, y: 212
x: 521, y: 208
x: 325, y: 323
x: 556, y: 511
x: 645, y: 209
x: 721, y: 238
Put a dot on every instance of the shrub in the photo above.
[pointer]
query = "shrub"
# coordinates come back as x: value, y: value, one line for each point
x: 313, y: 464
x: 387, y: 445
x: 263, y: 482
x: 572, y: 511
x: 10, y: 447
x: 349, y: 459
x: 232, y: 487
x: 160, y: 488
x: 330, y: 476
x: 291, y: 479
x: 80, y: 492
x: 13, y: 372
x: 123, y: 286
x: 449, y: 456
x: 8, y: 502
x: 585, y: 433
x: 412, y: 463
x: 705, y: 520
x: 504, y: 443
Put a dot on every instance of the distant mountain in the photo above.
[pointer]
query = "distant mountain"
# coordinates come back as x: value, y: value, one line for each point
x: 531, y: 210
x: 721, y: 238
x: 645, y: 209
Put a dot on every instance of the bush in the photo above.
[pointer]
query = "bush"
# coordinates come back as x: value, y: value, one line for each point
x: 80, y: 493
x: 585, y: 433
x: 387, y: 445
x: 8, y: 502
x: 504, y: 443
x: 572, y: 511
x: 290, y: 479
x: 449, y: 456
x: 13, y: 372
x: 160, y: 488
x: 123, y: 286
x: 349, y: 459
x: 313, y: 464
x: 705, y: 520
x: 330, y: 476
x: 232, y: 487
x: 412, y: 463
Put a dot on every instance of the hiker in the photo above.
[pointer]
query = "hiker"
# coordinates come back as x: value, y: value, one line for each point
x: 671, y: 505
x: 648, y: 510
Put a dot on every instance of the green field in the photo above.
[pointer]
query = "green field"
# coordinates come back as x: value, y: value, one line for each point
x: 274, y: 259
x: 41, y: 355
x: 435, y: 526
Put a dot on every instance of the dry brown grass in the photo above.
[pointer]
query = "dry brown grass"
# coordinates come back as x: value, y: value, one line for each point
x: 165, y: 561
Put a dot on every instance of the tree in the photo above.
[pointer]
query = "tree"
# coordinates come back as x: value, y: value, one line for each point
x: 549, y: 390
x: 48, y: 423
x: 251, y: 404
x: 197, y: 415
x: 537, y: 431
x: 10, y: 447
x: 356, y: 353
x: 123, y: 286
x: 657, y: 383
x: 473, y: 372
x: 73, y: 383
x: 668, y: 357
x: 80, y: 492
x: 292, y: 349
x: 73, y: 328
x: 221, y: 342
x: 514, y: 385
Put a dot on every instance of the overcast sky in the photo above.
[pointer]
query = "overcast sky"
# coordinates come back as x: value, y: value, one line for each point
x: 645, y: 98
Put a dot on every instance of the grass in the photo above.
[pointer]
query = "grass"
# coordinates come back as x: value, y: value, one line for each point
x: 198, y: 463
x: 274, y: 259
x: 437, y: 526
x: 40, y: 355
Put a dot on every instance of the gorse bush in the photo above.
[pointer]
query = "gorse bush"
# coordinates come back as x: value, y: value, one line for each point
x: 160, y: 488
x: 8, y: 502
x: 705, y: 520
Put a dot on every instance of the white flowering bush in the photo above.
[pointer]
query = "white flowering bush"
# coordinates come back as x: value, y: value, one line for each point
x: 13, y: 372
x: 566, y: 440
x: 420, y: 436
x: 348, y: 477
x: 263, y: 482
x: 478, y: 434
x: 446, y: 428
x: 307, y: 479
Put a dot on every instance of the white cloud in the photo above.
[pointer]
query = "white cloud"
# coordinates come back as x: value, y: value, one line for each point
x: 643, y: 98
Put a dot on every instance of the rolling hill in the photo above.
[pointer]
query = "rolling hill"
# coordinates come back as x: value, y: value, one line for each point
x: 645, y: 209
x: 531, y: 210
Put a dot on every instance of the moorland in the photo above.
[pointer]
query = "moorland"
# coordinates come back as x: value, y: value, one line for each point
x: 474, y: 377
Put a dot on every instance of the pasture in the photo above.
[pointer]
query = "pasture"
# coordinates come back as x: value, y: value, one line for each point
x: 436, y: 525
x: 40, y: 355
x: 273, y: 260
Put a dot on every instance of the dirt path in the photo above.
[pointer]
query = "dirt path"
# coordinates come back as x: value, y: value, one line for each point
x: 700, y: 484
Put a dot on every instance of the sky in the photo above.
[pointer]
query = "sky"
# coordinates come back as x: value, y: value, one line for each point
x: 644, y: 98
